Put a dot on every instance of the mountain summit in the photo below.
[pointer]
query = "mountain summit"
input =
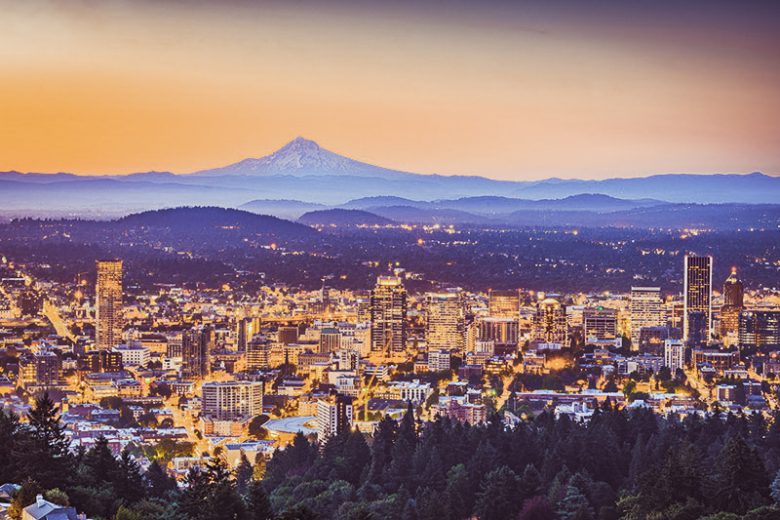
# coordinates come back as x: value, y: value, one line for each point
x: 301, y: 158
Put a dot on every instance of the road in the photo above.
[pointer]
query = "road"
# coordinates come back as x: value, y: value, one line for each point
x: 53, y: 315
x: 50, y: 310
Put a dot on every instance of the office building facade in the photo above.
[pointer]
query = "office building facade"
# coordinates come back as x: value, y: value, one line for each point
x: 334, y: 415
x: 697, y: 314
x: 504, y: 304
x: 550, y: 325
x: 388, y: 315
x: 196, y: 347
x: 232, y: 400
x: 108, y: 304
x: 646, y: 310
x: 445, y: 320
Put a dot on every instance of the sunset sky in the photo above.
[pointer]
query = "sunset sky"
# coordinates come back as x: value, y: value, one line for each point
x: 510, y: 90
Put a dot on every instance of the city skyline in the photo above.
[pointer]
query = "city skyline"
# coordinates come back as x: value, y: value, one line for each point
x: 235, y: 377
x: 389, y: 259
x: 496, y: 90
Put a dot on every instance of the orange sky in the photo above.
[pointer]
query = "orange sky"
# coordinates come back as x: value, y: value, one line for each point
x: 515, y: 93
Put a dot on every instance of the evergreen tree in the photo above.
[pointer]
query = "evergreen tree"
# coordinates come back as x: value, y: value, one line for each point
x: 44, y: 451
x: 154, y: 509
x: 299, y: 513
x: 431, y: 505
x: 381, y: 449
x: 244, y: 473
x: 157, y: 481
x: 530, y: 482
x: 433, y: 475
x: 296, y: 459
x: 459, y: 491
x: 193, y: 501
x: 741, y: 482
x: 484, y: 459
x: 223, y: 502
x: 407, y: 429
x: 128, y: 481
x: 10, y: 433
x: 574, y: 506
x: 775, y: 488
x: 401, y: 465
x: 536, y: 508
x: 125, y: 513
x: 259, y: 505
x: 358, y: 457
x: 638, y: 460
x: 403, y: 450
x: 498, y: 495
x: 101, y: 466
x: 559, y: 486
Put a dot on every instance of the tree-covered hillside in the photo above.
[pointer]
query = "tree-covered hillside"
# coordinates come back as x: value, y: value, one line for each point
x: 630, y: 465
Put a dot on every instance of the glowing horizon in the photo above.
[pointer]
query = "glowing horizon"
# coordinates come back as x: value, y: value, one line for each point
x: 566, y: 89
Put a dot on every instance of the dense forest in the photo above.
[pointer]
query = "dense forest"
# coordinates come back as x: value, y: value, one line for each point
x: 631, y: 465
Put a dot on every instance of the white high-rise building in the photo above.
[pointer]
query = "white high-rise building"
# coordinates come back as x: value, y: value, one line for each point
x: 231, y: 400
x: 439, y: 360
x: 133, y: 355
x: 334, y: 416
x: 674, y: 354
x: 646, y: 310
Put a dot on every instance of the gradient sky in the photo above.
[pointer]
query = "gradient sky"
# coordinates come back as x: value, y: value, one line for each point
x: 510, y: 90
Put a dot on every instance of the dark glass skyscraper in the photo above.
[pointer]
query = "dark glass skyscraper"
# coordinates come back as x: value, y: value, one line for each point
x: 759, y: 329
x: 733, y: 303
x: 196, y: 347
x: 698, y: 296
x: 733, y: 290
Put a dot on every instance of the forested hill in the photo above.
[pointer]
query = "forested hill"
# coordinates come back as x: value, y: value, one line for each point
x: 622, y: 465
x: 200, y: 219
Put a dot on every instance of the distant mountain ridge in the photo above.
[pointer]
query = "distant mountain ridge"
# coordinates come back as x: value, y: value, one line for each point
x: 587, y: 210
x: 200, y: 219
x: 304, y: 171
x: 343, y: 217
x: 753, y: 188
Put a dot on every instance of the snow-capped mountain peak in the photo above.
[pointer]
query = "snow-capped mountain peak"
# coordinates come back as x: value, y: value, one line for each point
x: 301, y: 157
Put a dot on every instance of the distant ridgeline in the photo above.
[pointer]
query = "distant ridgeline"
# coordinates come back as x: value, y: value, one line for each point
x: 303, y: 174
x: 351, y: 245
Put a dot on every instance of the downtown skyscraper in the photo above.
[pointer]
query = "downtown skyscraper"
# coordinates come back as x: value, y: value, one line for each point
x: 388, y: 315
x: 733, y: 304
x: 445, y: 322
x: 697, y: 313
x: 108, y: 295
x: 550, y: 324
x: 646, y: 311
x: 197, y: 345
x: 504, y: 304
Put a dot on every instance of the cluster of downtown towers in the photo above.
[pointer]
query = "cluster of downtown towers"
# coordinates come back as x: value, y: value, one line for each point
x: 446, y: 320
